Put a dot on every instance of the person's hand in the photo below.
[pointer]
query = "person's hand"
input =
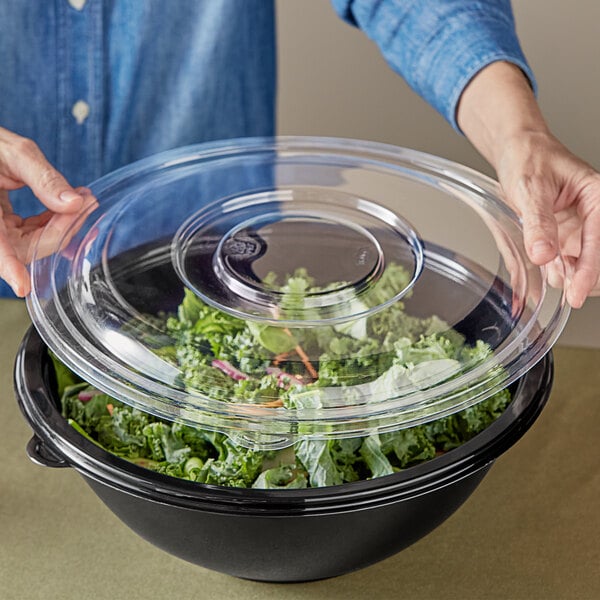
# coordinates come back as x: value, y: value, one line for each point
x: 22, y: 163
x: 556, y: 193
x: 557, y: 196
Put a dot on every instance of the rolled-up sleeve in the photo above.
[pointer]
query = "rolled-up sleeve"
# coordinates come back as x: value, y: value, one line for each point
x: 438, y: 46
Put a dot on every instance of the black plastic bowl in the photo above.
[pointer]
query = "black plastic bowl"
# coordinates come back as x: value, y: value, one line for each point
x: 314, y: 533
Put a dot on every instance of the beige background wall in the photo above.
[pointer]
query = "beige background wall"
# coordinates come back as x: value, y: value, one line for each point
x: 334, y: 82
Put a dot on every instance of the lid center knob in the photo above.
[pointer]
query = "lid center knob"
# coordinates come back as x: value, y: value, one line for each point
x: 296, y: 257
x: 260, y: 255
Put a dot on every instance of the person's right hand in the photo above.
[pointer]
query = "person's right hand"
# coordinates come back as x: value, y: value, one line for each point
x: 22, y: 164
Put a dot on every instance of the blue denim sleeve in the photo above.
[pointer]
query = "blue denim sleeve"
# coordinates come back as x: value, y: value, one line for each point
x: 438, y: 46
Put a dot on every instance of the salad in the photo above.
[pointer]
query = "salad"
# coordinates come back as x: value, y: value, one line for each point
x: 232, y: 360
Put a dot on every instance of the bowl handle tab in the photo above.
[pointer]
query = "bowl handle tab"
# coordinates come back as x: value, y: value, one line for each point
x: 40, y: 454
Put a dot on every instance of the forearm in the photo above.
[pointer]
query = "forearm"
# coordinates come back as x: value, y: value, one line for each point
x: 498, y: 110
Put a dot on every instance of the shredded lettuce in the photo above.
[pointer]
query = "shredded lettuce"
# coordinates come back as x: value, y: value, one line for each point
x: 230, y: 360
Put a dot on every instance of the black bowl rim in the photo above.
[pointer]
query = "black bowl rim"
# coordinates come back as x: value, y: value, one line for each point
x: 38, y: 405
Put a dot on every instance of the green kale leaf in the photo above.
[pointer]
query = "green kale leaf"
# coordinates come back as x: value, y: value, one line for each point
x: 282, y: 477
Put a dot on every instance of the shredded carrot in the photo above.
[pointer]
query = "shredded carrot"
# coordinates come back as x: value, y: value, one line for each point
x: 273, y: 403
x: 279, y: 358
x: 311, y: 370
x: 109, y: 408
x: 255, y: 408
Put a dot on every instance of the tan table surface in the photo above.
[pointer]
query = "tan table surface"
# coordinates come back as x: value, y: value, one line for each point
x: 531, y: 530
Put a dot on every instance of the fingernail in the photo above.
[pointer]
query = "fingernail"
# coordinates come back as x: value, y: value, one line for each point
x: 574, y: 299
x: 69, y: 196
x: 540, y: 249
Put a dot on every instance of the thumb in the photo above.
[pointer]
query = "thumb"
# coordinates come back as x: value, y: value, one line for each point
x: 52, y: 189
x: 535, y: 203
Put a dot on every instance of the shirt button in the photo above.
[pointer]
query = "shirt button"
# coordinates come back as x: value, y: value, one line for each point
x: 77, y: 4
x: 80, y: 111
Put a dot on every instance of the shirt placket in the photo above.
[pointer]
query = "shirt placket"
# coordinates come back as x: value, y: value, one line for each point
x: 80, y: 54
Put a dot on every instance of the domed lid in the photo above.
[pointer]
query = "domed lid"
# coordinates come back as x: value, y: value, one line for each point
x: 278, y: 289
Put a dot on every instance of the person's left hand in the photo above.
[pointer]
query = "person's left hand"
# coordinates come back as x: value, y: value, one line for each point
x: 557, y: 196
x: 556, y: 193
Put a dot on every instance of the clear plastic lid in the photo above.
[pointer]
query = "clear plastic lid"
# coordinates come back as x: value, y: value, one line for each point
x: 289, y: 288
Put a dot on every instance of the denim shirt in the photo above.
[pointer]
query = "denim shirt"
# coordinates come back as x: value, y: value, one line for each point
x: 100, y: 83
x: 438, y: 46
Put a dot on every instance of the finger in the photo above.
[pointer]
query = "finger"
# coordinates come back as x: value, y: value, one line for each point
x: 5, y: 204
x: 26, y: 162
x: 587, y: 268
x: 535, y: 202
x: 6, y: 211
x: 36, y: 221
x: 14, y: 221
x: 556, y: 273
x: 12, y: 270
x: 60, y: 229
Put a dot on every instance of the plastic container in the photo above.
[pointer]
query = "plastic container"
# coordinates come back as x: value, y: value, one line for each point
x: 273, y: 535
x: 362, y: 227
x: 227, y: 223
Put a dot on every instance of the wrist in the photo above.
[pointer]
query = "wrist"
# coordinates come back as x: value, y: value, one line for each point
x: 498, y: 110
